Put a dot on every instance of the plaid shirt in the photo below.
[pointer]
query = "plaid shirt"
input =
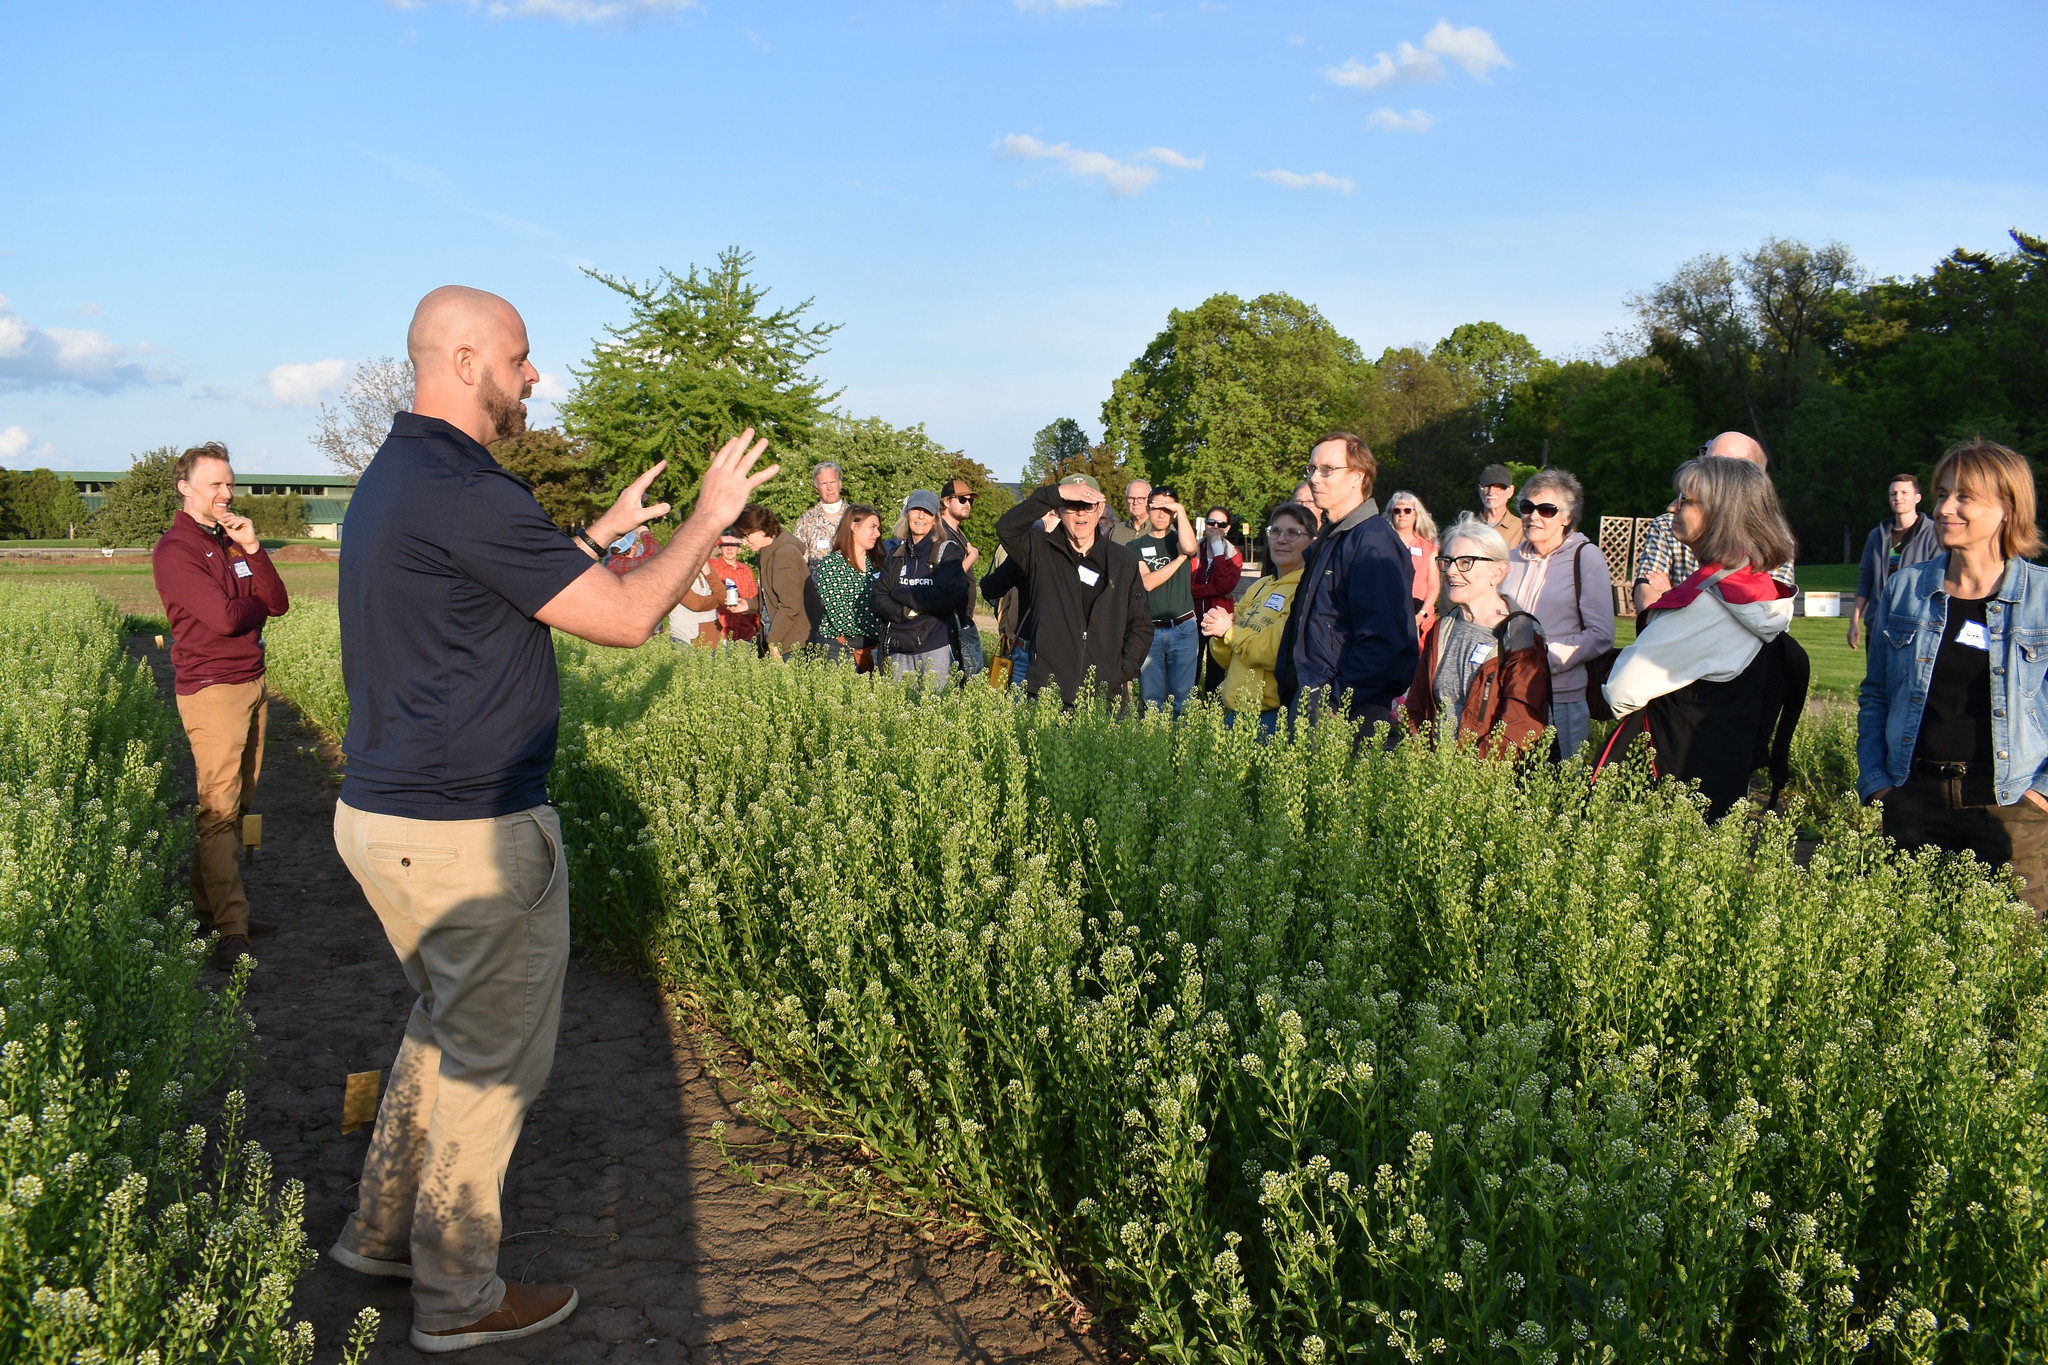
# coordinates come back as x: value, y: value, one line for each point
x: 1663, y: 553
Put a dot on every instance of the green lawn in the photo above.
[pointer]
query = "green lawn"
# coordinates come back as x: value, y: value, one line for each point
x: 1837, y: 669
x: 128, y: 584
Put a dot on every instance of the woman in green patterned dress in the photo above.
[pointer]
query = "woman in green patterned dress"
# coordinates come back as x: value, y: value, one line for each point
x: 845, y: 580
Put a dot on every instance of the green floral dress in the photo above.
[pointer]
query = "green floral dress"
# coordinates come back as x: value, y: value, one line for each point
x: 848, y: 595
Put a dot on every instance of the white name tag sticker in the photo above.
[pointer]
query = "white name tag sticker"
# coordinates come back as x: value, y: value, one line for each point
x: 1482, y: 652
x: 1276, y: 603
x: 1972, y: 634
x: 1089, y: 577
x: 242, y: 570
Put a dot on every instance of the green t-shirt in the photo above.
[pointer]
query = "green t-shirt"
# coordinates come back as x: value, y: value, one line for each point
x: 1176, y: 596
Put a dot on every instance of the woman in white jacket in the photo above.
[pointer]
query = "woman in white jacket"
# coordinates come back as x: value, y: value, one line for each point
x: 1713, y: 678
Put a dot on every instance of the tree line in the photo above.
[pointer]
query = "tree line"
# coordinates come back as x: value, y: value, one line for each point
x: 1846, y: 379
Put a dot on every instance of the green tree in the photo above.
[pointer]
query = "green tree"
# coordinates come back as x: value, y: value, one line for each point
x: 138, y: 508
x: 880, y: 463
x: 1622, y: 429
x: 702, y: 358
x: 1486, y: 363
x: 276, y: 516
x: 1227, y: 401
x: 38, y: 504
x: 570, y: 479
x: 1058, y: 446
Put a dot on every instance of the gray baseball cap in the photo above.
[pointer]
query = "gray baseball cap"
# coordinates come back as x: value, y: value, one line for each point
x: 923, y: 500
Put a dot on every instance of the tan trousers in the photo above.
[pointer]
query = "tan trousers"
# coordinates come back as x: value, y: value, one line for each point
x: 478, y: 913
x: 225, y: 723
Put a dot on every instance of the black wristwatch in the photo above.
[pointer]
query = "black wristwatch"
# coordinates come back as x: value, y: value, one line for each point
x: 582, y: 536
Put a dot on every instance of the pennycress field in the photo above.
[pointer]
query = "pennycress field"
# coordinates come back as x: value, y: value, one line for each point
x: 1288, y: 1057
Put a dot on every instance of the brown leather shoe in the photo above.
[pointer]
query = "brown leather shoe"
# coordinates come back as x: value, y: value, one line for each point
x: 528, y: 1308
x: 261, y: 928
x: 231, y: 950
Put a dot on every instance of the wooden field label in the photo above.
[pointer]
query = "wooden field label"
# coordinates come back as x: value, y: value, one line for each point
x: 252, y: 831
x: 359, y: 1100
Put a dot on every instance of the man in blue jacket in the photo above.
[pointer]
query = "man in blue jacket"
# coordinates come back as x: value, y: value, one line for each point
x: 1352, y: 629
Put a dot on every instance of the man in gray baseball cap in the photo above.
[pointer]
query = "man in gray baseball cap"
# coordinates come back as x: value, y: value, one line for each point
x: 1497, y: 502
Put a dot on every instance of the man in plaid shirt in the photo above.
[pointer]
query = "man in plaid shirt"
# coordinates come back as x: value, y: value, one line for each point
x: 1663, y: 562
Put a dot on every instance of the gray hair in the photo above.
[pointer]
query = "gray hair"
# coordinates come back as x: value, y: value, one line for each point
x: 823, y: 465
x: 1487, y: 540
x: 1744, y: 524
x: 1563, y: 483
x: 1425, y: 524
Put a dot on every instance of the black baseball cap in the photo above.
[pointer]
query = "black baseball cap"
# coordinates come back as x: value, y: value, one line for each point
x: 1496, y: 475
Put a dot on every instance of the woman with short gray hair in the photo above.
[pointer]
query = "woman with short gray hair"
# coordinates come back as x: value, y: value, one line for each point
x: 1561, y: 579
x: 1483, y: 668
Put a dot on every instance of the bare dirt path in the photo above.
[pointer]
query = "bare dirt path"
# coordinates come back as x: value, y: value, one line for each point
x: 614, y: 1187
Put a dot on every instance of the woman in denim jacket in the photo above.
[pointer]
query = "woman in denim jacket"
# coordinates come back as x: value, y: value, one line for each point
x: 1952, y: 726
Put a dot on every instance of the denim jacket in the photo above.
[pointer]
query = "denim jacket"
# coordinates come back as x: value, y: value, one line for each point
x: 1905, y: 634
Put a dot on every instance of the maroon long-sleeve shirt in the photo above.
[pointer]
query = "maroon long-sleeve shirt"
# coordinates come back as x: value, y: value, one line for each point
x: 217, y: 599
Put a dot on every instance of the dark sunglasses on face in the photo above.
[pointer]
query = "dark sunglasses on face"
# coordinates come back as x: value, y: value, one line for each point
x: 1219, y: 525
x: 960, y: 497
x: 1545, y: 510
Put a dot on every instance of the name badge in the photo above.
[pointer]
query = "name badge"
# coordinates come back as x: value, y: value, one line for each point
x: 242, y: 570
x: 1972, y: 634
x: 1276, y: 603
x: 1482, y: 652
x: 1089, y: 578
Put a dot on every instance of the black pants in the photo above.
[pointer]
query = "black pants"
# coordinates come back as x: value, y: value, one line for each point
x: 1956, y: 815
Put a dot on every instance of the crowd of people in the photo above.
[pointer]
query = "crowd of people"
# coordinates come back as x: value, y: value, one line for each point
x: 1497, y: 631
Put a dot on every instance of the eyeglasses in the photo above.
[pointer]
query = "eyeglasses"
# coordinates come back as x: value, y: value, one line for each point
x: 1546, y: 510
x: 1401, y: 511
x: 960, y: 497
x: 1464, y: 563
x: 1284, y: 533
x: 1324, y: 471
x: 1218, y: 525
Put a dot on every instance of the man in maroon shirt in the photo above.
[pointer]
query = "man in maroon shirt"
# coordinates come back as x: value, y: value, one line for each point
x: 218, y: 588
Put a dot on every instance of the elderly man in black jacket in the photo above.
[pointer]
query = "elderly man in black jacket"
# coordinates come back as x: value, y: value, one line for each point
x: 1087, y: 601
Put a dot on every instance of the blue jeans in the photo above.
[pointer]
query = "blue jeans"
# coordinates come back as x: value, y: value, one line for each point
x: 972, y: 662
x: 1020, y: 663
x: 1269, y: 722
x: 935, y: 664
x: 1170, y: 665
x: 1573, y: 720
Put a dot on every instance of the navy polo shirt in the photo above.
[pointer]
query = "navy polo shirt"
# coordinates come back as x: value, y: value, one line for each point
x: 452, y: 693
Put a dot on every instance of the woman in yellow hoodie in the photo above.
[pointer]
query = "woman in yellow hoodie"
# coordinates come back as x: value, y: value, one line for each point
x: 1248, y: 646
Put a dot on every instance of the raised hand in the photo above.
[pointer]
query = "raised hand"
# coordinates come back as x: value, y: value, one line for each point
x: 242, y: 531
x: 627, y: 514
x: 730, y: 480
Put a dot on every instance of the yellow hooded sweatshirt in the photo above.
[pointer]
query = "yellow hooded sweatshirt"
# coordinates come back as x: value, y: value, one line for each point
x: 1252, y: 647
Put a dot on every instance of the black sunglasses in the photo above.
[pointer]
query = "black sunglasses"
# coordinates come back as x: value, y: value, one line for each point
x: 1541, y: 509
x: 960, y: 497
x: 1219, y: 525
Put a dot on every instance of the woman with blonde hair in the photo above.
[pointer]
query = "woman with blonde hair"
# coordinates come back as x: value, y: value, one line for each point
x: 1417, y: 529
x: 1950, y: 733
x: 1713, y: 678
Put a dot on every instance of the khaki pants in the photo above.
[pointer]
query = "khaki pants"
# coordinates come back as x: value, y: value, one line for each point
x: 225, y: 723
x: 478, y: 913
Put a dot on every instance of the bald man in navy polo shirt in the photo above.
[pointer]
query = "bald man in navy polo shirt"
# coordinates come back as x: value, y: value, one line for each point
x: 452, y: 580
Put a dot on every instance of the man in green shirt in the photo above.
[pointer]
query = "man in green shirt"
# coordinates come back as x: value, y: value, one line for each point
x: 1138, y: 498
x: 1164, y: 553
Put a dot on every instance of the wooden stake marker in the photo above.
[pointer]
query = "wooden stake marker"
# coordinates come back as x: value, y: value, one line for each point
x: 359, y: 1100
x: 252, y: 833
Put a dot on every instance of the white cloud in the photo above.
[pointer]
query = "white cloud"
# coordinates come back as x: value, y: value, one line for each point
x: 1471, y: 49
x: 1122, y: 177
x: 1414, y: 121
x: 550, y: 389
x: 34, y: 357
x: 1041, y: 6
x: 13, y: 441
x: 303, y: 385
x: 1314, y: 180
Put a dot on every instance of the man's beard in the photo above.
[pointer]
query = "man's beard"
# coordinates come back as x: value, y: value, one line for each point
x: 507, y: 414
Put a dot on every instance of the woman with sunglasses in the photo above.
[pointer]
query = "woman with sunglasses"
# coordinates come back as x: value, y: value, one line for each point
x: 1417, y: 530
x: 1484, y: 666
x: 1248, y: 645
x: 1561, y: 579
x: 1219, y: 565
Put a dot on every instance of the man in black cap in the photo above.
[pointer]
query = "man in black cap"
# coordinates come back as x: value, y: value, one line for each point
x: 1086, y: 598
x: 1496, y: 503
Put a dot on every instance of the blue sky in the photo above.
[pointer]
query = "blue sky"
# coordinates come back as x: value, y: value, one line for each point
x: 208, y: 210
